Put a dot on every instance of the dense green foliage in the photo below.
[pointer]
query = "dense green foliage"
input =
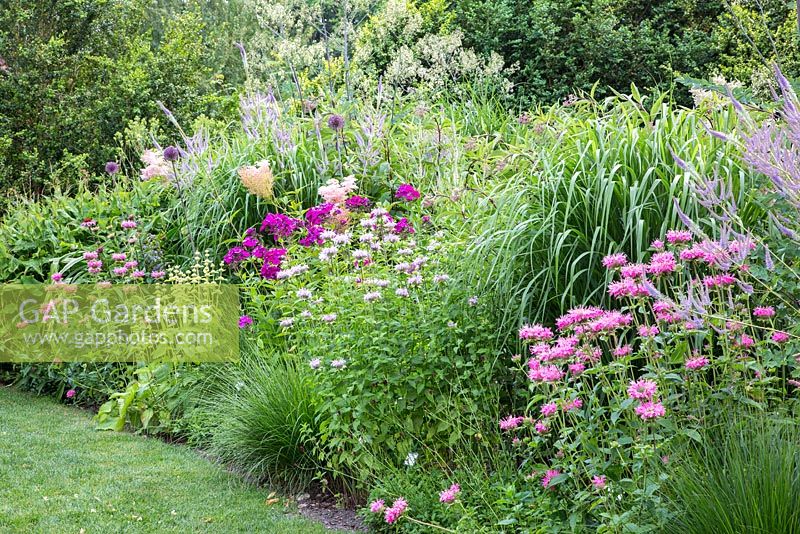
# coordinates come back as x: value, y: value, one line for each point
x: 74, y: 73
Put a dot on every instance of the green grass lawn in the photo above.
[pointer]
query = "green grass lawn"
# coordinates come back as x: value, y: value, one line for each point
x: 58, y: 475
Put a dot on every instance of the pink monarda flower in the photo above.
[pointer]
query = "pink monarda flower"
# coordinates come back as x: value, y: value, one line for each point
x: 576, y: 368
x: 657, y: 244
x: 535, y: 331
x: 398, y: 507
x: 338, y: 364
x: 627, y: 287
x: 120, y: 271
x: 449, y: 495
x: 746, y: 341
x: 71, y: 393
x: 793, y: 382
x: 511, y: 422
x: 548, y: 409
x: 540, y: 427
x: 609, y: 322
x: 720, y: 280
x: 764, y: 311
x: 615, y: 260
x: 56, y: 277
x: 157, y: 275
x: 780, y: 337
x: 578, y: 315
x: 245, y: 321
x: 549, y: 475
x: 119, y: 256
x: 648, y: 331
x: 377, y: 507
x: 624, y: 350
x: 696, y: 363
x: 91, y: 255
x: 650, y: 410
x: 547, y: 373
x: 315, y: 364
x: 131, y: 264
x: 662, y: 263
x: 642, y: 389
x: 633, y: 270
x: 678, y: 236
x: 571, y: 405
x: 599, y: 481
x: 128, y: 224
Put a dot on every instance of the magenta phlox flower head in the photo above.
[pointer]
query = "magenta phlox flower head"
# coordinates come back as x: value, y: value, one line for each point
x: 407, y: 193
x: 279, y: 225
x: 357, y: 202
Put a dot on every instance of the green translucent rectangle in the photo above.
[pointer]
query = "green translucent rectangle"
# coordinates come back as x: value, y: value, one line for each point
x: 119, y: 323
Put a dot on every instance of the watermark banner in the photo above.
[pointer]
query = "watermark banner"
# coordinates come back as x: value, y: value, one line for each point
x: 119, y: 323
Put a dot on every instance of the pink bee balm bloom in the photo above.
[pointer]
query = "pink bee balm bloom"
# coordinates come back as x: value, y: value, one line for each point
x: 648, y: 331
x: 746, y: 341
x: 71, y: 393
x: 156, y: 275
x: 780, y: 337
x: 696, y: 363
x: 120, y: 256
x: 549, y: 476
x: 535, y: 331
x: 650, y: 410
x: 398, y: 507
x: 622, y: 351
x: 56, y: 277
x: 540, y: 427
x: 764, y: 311
x: 245, y: 321
x: 615, y: 260
x: 662, y: 263
x: 574, y: 404
x: 511, y: 422
x: 91, y: 255
x: 642, y: 389
x: 599, y: 481
x: 678, y: 236
x: 377, y: 507
x: 549, y: 409
x: 576, y: 368
x: 449, y: 495
x: 633, y: 270
x: 657, y: 244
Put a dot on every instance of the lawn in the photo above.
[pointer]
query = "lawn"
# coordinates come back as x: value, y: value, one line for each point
x: 60, y: 475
